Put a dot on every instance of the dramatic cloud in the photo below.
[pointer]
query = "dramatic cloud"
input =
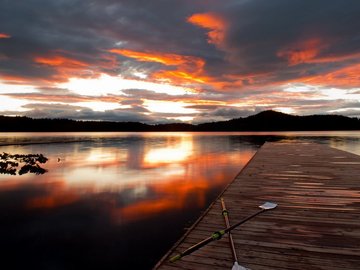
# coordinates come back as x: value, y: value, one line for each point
x: 215, y: 24
x: 180, y: 60
x: 302, y: 52
x: 187, y: 69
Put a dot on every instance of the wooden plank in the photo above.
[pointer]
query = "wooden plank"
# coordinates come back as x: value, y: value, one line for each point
x: 316, y: 225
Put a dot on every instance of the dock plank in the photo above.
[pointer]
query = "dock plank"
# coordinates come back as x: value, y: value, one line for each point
x: 316, y: 225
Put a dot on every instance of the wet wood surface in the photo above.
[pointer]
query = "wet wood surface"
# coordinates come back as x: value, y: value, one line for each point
x: 315, y: 226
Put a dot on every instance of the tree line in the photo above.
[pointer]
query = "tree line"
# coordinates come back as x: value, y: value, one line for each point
x: 264, y: 121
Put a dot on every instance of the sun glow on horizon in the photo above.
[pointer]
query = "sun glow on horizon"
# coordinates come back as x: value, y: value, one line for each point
x: 173, y: 107
x: 315, y: 92
x: 6, y: 88
x: 182, y: 118
x: 286, y: 110
x: 106, y: 84
x: 12, y: 104
x: 338, y: 94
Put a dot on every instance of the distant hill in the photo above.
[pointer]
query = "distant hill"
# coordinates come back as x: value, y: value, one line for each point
x: 264, y: 121
x: 276, y: 121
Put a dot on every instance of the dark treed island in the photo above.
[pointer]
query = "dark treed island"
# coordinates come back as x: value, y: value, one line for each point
x: 264, y: 121
x: 29, y: 163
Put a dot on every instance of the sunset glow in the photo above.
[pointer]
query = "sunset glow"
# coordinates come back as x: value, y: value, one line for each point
x: 303, y: 52
x: 101, y: 170
x: 12, y: 104
x: 134, y: 67
x: 59, y: 61
x: 163, y: 58
x: 16, y: 88
x: 174, y: 153
x: 100, y: 106
x: 214, y: 23
x: 168, y: 107
x: 106, y: 85
x: 3, y: 35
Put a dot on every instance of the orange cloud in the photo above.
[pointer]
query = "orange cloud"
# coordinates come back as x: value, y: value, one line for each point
x: 221, y: 83
x: 212, y: 22
x: 3, y: 35
x: 68, y: 98
x: 60, y: 61
x: 167, y: 59
x: 25, y: 80
x: 308, y: 51
x: 178, y: 77
x: 188, y: 68
x: 344, y: 77
x: 177, y: 190
x: 334, y: 58
x: 302, y: 52
x: 11, y: 79
x: 63, y: 68
x: 66, y: 67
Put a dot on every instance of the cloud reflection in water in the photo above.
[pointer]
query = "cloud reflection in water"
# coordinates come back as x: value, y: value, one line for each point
x: 106, y: 188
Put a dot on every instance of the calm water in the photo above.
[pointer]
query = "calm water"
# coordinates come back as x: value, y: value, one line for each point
x: 120, y: 200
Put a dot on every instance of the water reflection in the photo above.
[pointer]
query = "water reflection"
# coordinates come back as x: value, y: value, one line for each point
x: 176, y: 151
x: 131, y: 189
x: 117, y: 200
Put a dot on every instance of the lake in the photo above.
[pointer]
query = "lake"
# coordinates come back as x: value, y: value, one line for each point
x: 120, y: 200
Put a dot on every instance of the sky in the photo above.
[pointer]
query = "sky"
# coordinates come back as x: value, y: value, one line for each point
x: 191, y: 61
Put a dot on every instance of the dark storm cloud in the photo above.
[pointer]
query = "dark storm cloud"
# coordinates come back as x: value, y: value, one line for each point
x: 260, y: 29
x: 257, y: 31
x: 86, y: 29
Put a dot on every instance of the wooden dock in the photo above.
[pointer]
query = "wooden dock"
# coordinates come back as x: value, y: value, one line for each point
x: 316, y: 225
